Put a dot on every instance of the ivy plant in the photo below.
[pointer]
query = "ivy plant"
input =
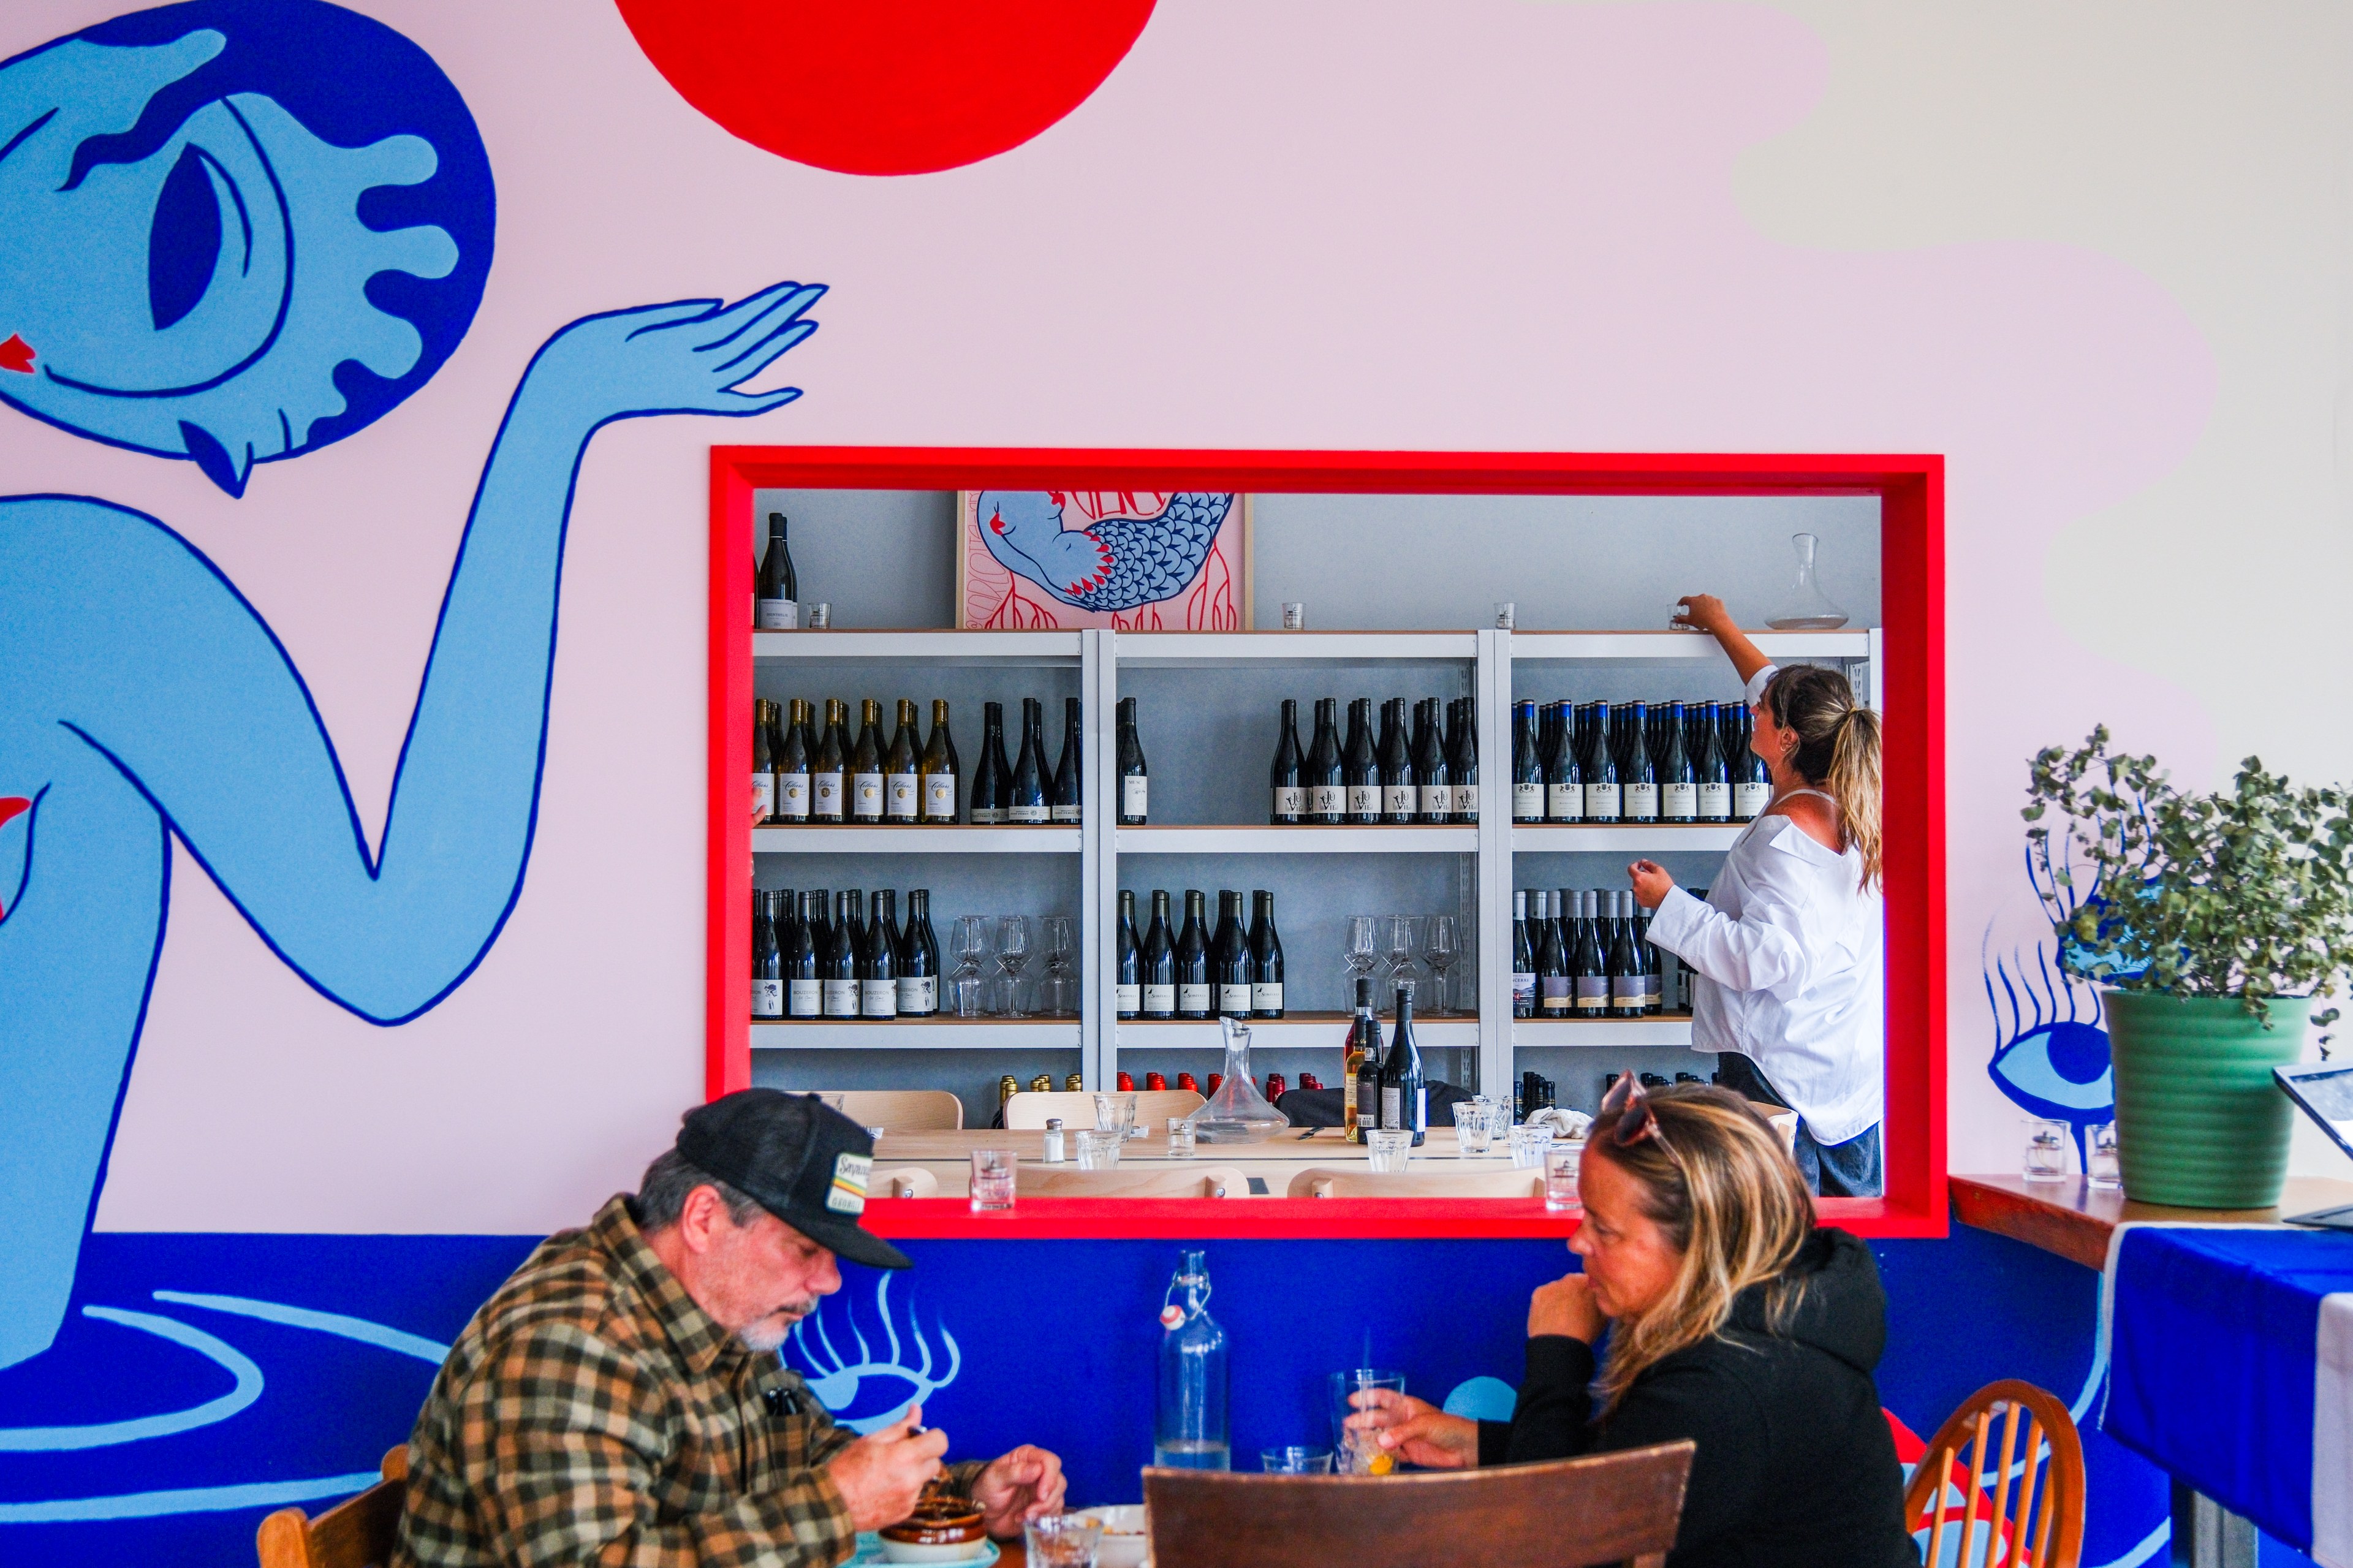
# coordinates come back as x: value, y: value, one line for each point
x: 2246, y: 892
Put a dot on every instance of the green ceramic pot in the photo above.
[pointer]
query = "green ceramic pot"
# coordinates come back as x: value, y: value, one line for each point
x: 2199, y: 1121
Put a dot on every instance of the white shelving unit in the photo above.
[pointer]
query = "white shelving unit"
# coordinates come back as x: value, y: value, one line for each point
x: 1312, y: 1030
x: 919, y: 1034
x: 1627, y: 837
x: 961, y: 839
x: 1673, y: 1030
x: 1463, y: 840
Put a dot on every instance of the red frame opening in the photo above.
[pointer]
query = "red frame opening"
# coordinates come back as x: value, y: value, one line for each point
x: 1911, y: 491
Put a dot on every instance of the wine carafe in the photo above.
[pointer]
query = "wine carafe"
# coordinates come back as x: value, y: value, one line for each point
x: 1805, y: 608
x: 1237, y: 1113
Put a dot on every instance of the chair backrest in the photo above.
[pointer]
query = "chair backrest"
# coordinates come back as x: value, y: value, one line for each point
x: 904, y: 1181
x: 1133, y: 1182
x: 1568, y: 1513
x: 1028, y: 1112
x: 898, y: 1110
x: 2008, y: 1460
x: 355, y: 1533
x: 1781, y: 1119
x: 1327, y: 1182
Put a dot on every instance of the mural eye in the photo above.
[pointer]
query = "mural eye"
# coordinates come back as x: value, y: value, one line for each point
x: 184, y: 241
x: 2058, y: 1069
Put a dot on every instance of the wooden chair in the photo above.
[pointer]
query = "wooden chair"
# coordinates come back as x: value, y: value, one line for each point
x: 1327, y: 1181
x: 904, y: 1181
x: 2034, y: 1518
x: 1569, y: 1513
x: 1139, y: 1181
x: 1028, y: 1112
x: 355, y: 1533
x: 1781, y: 1119
x: 899, y: 1110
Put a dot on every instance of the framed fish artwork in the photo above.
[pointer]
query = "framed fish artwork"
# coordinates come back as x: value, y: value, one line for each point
x: 1127, y: 560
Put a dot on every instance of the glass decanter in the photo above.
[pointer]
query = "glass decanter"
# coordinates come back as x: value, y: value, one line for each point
x: 1238, y: 1112
x: 1805, y: 608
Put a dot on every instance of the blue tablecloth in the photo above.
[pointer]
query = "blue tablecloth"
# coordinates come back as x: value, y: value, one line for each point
x: 2220, y: 1361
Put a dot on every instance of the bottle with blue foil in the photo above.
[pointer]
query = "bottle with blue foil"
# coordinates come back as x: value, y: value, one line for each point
x: 1190, y: 1431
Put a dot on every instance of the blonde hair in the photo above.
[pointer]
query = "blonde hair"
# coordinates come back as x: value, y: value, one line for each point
x: 1838, y: 750
x: 1732, y: 1202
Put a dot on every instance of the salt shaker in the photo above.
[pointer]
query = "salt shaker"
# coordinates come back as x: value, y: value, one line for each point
x: 1054, y: 1140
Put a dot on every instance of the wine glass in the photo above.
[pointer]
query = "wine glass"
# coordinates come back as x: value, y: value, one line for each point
x: 1440, y: 948
x: 1057, y: 988
x: 1401, y: 935
x: 1012, y: 954
x: 1358, y: 947
x: 968, y: 940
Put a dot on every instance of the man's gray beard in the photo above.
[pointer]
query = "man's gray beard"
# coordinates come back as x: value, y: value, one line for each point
x: 767, y: 1335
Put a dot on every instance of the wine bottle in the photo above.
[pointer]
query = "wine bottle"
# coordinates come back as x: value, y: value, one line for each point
x: 1070, y: 778
x: 878, y: 978
x: 1707, y: 767
x: 1288, y: 806
x: 1360, y: 770
x: 936, y: 774
x: 1028, y: 805
x: 767, y: 961
x: 866, y: 764
x: 1602, y: 801
x: 841, y: 971
x: 1523, y: 958
x: 1399, y: 800
x: 1563, y: 779
x: 902, y: 796
x: 1678, y: 780
x: 1231, y: 958
x: 829, y: 785
x: 779, y: 599
x: 1265, y: 958
x: 989, y: 780
x: 1462, y: 759
x: 1127, y: 985
x: 1134, y: 778
x: 1159, y: 962
x: 1360, y: 1068
x: 764, y: 768
x: 1527, y: 766
x: 1628, y: 995
x: 1638, y: 769
x: 789, y: 753
x: 1553, y: 988
x: 1654, y: 963
x: 1752, y: 781
x: 1589, y: 966
x: 804, y: 997
x: 1405, y: 1098
x: 1433, y: 778
x: 919, y: 959
x: 1327, y: 782
x: 1193, y: 995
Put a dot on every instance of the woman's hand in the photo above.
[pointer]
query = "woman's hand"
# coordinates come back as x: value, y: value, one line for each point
x: 1565, y: 1307
x: 1416, y: 1430
x: 1703, y: 613
x: 1651, y: 883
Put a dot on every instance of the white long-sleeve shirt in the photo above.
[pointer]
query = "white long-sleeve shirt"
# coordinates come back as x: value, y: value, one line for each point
x: 1787, y: 957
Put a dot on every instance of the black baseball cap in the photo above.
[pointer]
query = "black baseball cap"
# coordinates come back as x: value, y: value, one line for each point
x: 796, y: 1157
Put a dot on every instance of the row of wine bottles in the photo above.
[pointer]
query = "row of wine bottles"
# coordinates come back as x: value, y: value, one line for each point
x: 1587, y: 954
x: 1430, y: 774
x: 1638, y: 762
x: 809, y: 963
x: 1383, y: 1088
x: 1196, y: 973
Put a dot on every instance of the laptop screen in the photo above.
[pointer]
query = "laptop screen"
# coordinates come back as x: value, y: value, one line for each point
x: 2328, y: 1094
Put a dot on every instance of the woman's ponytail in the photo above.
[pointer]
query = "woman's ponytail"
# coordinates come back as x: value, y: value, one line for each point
x: 1838, y: 749
x: 1854, y: 779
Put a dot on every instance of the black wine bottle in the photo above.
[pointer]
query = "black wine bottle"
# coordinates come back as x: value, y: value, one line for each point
x: 866, y: 764
x: 792, y: 765
x: 1159, y: 962
x: 767, y: 961
x: 1589, y: 962
x: 1462, y: 755
x: 1708, y: 768
x: 1404, y: 1099
x: 830, y: 784
x: 902, y: 796
x: 1327, y: 782
x: 1127, y: 985
x: 841, y: 971
x: 764, y: 768
x: 1527, y: 766
x: 1265, y: 958
x: 1638, y: 769
x: 1602, y: 801
x: 1193, y: 987
x: 878, y: 977
x: 1399, y: 798
x: 919, y: 959
x: 1360, y: 769
x: 779, y: 599
x: 1524, y: 959
x: 1135, y: 777
x: 1752, y: 781
x: 1553, y: 988
x: 1028, y: 805
x: 1678, y: 780
x: 1628, y: 995
x: 1563, y: 778
x: 1433, y: 776
x: 804, y: 997
x: 936, y: 774
x: 1231, y: 958
x: 1070, y: 778
x: 990, y: 774
x: 1287, y: 805
x: 1654, y: 969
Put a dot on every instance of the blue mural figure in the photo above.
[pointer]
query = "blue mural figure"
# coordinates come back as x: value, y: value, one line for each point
x: 1116, y: 563
x: 868, y: 1388
x: 2051, y: 1054
x: 143, y: 699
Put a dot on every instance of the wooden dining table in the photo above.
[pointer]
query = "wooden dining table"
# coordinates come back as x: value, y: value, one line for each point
x: 1267, y: 1167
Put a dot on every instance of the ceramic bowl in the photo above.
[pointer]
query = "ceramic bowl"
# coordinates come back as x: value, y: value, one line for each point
x: 1125, y: 1545
x: 937, y: 1535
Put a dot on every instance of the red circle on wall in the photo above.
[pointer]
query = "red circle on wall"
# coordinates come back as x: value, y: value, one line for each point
x: 885, y: 87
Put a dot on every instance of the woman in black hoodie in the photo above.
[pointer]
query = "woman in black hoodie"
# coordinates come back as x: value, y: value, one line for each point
x: 1733, y: 1320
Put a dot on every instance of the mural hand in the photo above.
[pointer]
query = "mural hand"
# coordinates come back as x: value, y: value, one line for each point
x: 684, y: 357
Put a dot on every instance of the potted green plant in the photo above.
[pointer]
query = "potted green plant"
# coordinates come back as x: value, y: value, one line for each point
x: 2214, y: 921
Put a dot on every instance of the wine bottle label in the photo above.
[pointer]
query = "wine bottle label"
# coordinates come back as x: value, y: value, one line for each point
x: 1679, y: 802
x: 1029, y: 815
x: 1564, y: 803
x: 1192, y: 998
x: 1234, y: 999
x: 793, y: 796
x: 1527, y: 802
x: 1592, y: 994
x: 1524, y: 991
x: 1368, y: 1102
x: 1642, y: 802
x: 805, y: 998
x: 939, y: 798
x: 1601, y: 802
x: 1364, y: 800
x: 866, y: 796
x: 1392, y: 1107
x: 780, y: 616
x: 1134, y: 789
x: 1397, y: 800
x: 1159, y: 999
x: 1327, y: 800
x: 919, y: 992
x: 825, y: 796
x: 1466, y: 802
x: 1290, y: 800
x: 767, y: 998
x: 985, y: 815
x: 1716, y: 800
x: 899, y: 803
x: 1066, y: 814
x: 841, y: 998
x: 1437, y: 800
x: 1127, y: 998
x: 1266, y: 995
x: 878, y: 998
x: 1552, y: 994
x: 1749, y: 800
x: 764, y: 797
x: 1626, y: 991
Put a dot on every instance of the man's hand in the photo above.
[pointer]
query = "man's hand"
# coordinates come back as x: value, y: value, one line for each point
x: 1414, y: 1430
x: 883, y: 1474
x: 1651, y: 883
x: 1023, y: 1485
x: 1565, y: 1307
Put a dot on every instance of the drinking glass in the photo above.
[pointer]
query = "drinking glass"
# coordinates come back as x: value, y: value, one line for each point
x: 1295, y: 1461
x: 1474, y: 1128
x: 1357, y: 1453
x: 968, y: 940
x: 1529, y: 1146
x: 992, y: 1179
x: 1295, y: 615
x: 1180, y: 1137
x: 1401, y: 937
x: 1114, y: 1113
x: 1507, y: 614
x: 1561, y: 1178
x: 1012, y: 954
x: 1062, y: 1539
x: 2102, y: 1164
x: 1443, y: 948
x: 1388, y: 1149
x: 1359, y: 946
x: 1057, y: 988
x: 1099, y: 1150
x: 2046, y: 1150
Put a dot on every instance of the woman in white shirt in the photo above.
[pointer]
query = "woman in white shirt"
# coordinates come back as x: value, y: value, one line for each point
x: 1787, y: 952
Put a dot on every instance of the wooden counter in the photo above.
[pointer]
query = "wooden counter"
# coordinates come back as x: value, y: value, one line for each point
x: 948, y: 1155
x: 2074, y: 1219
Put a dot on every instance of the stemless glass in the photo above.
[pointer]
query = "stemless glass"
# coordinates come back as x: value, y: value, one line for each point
x: 968, y: 942
x: 1529, y: 1146
x: 1443, y: 946
x: 2103, y: 1165
x: 1012, y: 955
x: 2046, y: 1150
x: 1062, y: 1539
x: 1099, y: 1150
x: 1180, y: 1137
x: 1561, y: 1178
x: 1359, y: 1454
x: 1474, y: 1128
x: 1114, y: 1113
x: 992, y: 1179
x: 1295, y: 1461
x: 1388, y: 1150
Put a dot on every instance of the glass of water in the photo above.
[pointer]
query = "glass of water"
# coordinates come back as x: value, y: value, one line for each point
x: 1062, y: 1540
x: 2046, y: 1150
x: 1180, y: 1137
x: 1359, y: 1453
x: 1388, y: 1149
x: 2102, y: 1164
x: 1295, y: 1461
x: 1099, y: 1149
x: 1561, y: 1178
x: 1474, y: 1126
x: 992, y: 1179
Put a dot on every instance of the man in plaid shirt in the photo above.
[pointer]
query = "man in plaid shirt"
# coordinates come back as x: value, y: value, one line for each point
x: 618, y: 1401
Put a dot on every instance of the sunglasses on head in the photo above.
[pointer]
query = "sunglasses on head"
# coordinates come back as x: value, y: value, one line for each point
x: 1636, y: 1118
